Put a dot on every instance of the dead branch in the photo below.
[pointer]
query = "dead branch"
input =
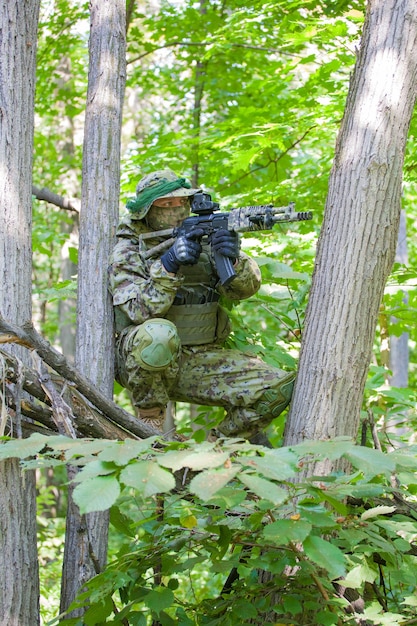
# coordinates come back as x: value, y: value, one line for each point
x: 88, y: 421
x: 61, y: 411
x: 29, y: 337
x: 53, y: 198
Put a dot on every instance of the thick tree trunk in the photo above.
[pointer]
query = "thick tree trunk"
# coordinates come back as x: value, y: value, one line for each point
x: 86, y: 536
x: 359, y: 234
x: 19, y: 595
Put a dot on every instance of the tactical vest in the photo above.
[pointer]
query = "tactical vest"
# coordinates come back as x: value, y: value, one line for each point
x: 195, y: 311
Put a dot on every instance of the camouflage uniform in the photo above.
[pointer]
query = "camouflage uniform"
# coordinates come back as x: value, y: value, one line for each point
x: 202, y: 372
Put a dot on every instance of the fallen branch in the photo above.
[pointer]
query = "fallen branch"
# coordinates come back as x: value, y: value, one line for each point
x: 88, y: 421
x: 30, y: 338
x: 61, y: 411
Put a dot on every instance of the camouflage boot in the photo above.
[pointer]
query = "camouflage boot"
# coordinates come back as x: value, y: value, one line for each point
x: 248, y: 421
x: 154, y: 417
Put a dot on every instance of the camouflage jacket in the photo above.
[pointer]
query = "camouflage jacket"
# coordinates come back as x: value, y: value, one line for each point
x: 142, y: 289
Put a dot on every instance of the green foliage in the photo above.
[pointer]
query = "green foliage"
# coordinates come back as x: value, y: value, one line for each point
x: 251, y: 96
x: 249, y: 523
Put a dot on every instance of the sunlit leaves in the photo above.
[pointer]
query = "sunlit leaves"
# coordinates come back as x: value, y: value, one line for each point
x: 208, y: 483
x: 325, y: 555
x: 147, y: 478
x: 205, y: 457
x: 23, y: 448
x: 265, y: 489
x: 284, y: 531
x: 236, y: 505
x: 97, y: 494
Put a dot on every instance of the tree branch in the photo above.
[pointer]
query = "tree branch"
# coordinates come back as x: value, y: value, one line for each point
x: 210, y: 43
x: 87, y: 420
x: 30, y: 338
x: 53, y: 198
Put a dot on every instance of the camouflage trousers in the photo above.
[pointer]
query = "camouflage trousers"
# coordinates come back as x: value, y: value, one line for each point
x: 251, y: 392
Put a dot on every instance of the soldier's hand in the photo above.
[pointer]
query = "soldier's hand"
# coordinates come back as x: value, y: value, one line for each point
x: 226, y: 243
x: 185, y: 251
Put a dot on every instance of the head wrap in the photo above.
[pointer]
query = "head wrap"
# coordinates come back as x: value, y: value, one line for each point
x: 160, y: 190
x: 159, y: 184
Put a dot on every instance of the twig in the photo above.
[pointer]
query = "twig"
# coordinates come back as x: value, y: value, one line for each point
x: 374, y: 432
x: 203, y: 44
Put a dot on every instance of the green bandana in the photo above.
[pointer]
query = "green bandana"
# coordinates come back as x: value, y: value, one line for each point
x: 159, y: 190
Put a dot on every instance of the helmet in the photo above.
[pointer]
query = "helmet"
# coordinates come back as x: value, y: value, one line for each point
x: 156, y: 344
x: 159, y: 184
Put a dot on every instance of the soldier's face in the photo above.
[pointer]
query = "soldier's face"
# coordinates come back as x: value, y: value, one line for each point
x: 168, y: 212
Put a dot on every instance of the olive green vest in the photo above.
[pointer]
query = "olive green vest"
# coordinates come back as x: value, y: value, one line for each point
x: 195, y: 310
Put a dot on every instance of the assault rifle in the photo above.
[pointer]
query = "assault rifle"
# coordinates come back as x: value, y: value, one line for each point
x: 242, y: 220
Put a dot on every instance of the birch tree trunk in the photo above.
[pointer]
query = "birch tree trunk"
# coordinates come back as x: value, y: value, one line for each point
x: 359, y: 234
x: 86, y: 536
x: 19, y: 595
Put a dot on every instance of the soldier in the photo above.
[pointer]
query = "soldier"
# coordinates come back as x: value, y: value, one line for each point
x: 170, y: 327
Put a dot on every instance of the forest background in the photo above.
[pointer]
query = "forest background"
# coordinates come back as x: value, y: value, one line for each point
x: 246, y: 101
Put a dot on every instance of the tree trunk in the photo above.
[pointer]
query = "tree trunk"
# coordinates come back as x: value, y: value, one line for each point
x: 19, y: 596
x: 86, y: 536
x: 359, y: 234
x: 399, y: 351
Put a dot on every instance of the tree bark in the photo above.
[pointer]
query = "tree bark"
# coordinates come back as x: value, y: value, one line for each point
x: 359, y: 233
x: 19, y: 595
x: 399, y: 350
x: 86, y: 536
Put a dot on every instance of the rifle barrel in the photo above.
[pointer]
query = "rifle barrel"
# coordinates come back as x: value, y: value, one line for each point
x: 293, y: 216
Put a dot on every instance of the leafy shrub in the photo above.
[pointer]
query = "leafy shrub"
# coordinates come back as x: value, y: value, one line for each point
x: 225, y: 532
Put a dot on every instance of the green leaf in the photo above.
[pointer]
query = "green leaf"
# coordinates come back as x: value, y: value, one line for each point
x: 285, y: 531
x: 159, y: 599
x: 370, y: 461
x: 84, y: 447
x: 22, y: 448
x: 264, y: 488
x: 325, y: 555
x: 278, y: 464
x: 96, y: 494
x: 376, y: 511
x: 405, y: 457
x: 206, y: 484
x: 194, y: 459
x: 318, y: 519
x: 92, y: 469
x: 332, y: 449
x: 326, y: 618
x: 359, y: 490
x: 147, y: 477
x: 121, y: 522
x: 97, y: 613
x: 278, y: 270
x: 228, y: 497
x: 358, y: 575
x: 137, y: 619
x: 121, y: 452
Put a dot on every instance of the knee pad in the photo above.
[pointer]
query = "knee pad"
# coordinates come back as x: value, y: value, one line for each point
x: 273, y: 401
x: 156, y: 344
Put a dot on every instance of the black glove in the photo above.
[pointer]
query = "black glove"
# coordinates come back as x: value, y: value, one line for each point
x: 226, y: 243
x: 185, y: 251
